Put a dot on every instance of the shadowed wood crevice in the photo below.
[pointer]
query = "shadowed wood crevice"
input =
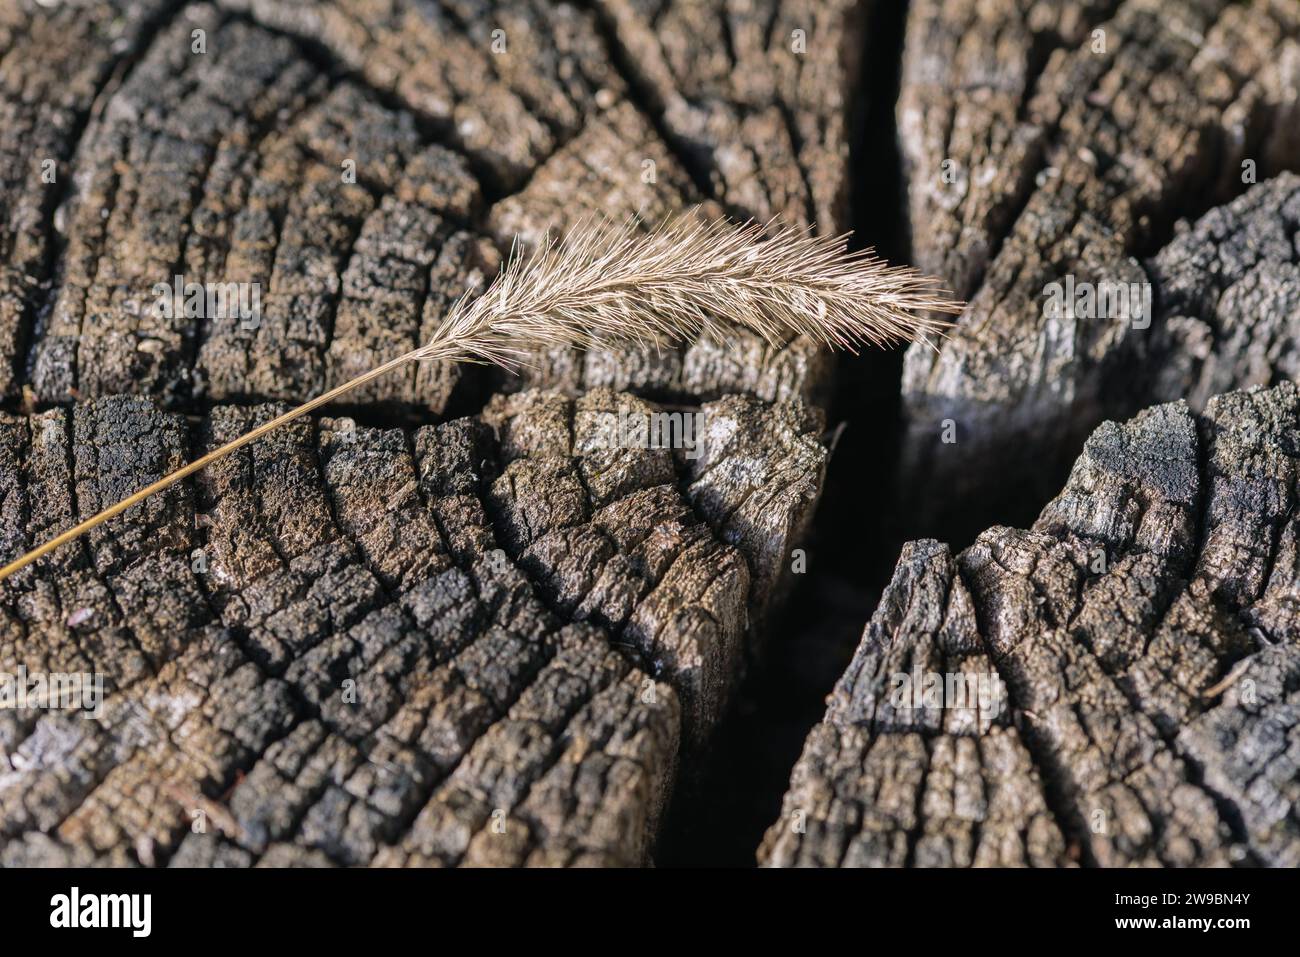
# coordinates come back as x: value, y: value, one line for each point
x: 1141, y: 116
x: 1145, y: 630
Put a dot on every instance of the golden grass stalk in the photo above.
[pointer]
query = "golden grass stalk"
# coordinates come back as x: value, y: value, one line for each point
x: 611, y: 285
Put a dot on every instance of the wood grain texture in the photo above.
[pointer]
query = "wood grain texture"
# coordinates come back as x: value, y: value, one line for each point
x: 1145, y: 631
x: 450, y: 624
x: 1076, y: 135
x: 365, y: 642
x: 466, y: 630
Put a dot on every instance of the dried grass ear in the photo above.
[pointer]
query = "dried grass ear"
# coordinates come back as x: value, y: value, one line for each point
x: 610, y: 284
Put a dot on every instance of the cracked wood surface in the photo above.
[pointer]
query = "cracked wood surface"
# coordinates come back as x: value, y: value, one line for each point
x: 1075, y: 134
x: 227, y: 166
x: 1145, y: 629
x: 483, y: 637
x: 487, y: 641
x: 377, y: 646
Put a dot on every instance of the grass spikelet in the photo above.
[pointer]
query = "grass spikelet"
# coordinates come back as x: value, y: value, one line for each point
x: 612, y: 285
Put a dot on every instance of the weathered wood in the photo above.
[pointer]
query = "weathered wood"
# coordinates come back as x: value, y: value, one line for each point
x: 357, y: 645
x: 466, y: 124
x: 1229, y: 299
x: 53, y: 68
x: 1146, y: 632
x: 1042, y: 140
x: 469, y: 631
x: 491, y: 640
x: 227, y: 166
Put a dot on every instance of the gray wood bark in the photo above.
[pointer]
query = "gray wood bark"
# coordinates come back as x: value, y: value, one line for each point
x: 487, y: 641
x: 1145, y: 630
